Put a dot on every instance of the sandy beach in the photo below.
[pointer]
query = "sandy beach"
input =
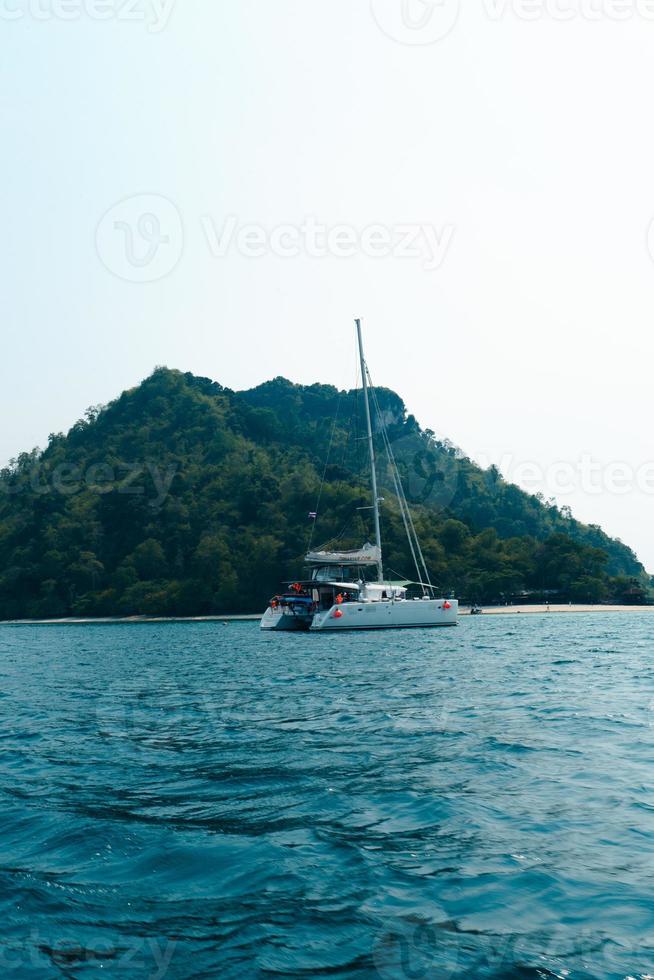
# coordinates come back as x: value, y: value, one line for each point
x: 545, y: 609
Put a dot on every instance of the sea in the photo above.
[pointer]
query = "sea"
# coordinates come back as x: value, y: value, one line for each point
x: 208, y: 801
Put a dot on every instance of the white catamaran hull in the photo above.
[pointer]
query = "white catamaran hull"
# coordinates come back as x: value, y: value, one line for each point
x: 277, y: 619
x: 422, y: 613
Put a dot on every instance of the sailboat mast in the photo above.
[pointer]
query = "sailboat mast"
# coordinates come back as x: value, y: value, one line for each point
x: 371, y: 448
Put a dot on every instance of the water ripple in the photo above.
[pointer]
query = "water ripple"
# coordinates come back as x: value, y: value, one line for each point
x: 190, y: 801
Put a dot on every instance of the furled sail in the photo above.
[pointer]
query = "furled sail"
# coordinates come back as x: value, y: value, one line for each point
x: 368, y: 555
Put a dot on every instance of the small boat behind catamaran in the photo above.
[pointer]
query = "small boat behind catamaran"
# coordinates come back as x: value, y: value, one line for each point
x: 346, y: 590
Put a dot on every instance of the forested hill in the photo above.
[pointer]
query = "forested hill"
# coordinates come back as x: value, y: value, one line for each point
x: 182, y: 497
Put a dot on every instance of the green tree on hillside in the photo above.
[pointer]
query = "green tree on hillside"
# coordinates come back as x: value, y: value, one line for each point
x: 182, y: 497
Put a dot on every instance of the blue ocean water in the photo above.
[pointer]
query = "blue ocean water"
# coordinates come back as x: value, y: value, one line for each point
x: 206, y: 801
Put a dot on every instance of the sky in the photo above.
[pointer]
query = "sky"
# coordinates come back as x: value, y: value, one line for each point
x: 222, y: 187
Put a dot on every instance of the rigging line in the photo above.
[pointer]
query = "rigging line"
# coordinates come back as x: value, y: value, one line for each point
x: 417, y: 539
x: 337, y: 537
x: 397, y: 484
x: 406, y: 526
x: 411, y: 522
x: 357, y: 439
x: 425, y: 570
x: 404, y: 578
x: 324, y: 472
x: 404, y: 506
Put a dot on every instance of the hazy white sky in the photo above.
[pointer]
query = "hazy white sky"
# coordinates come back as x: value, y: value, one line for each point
x: 221, y: 187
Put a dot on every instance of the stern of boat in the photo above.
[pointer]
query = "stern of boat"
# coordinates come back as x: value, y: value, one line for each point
x: 285, y: 621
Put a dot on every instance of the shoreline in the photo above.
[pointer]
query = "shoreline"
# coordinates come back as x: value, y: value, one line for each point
x: 131, y: 620
x: 555, y: 609
x: 528, y: 610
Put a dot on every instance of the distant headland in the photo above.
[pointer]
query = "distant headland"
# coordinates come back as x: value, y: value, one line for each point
x: 182, y: 498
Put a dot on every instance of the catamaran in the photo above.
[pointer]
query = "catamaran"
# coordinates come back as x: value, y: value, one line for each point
x: 340, y: 593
